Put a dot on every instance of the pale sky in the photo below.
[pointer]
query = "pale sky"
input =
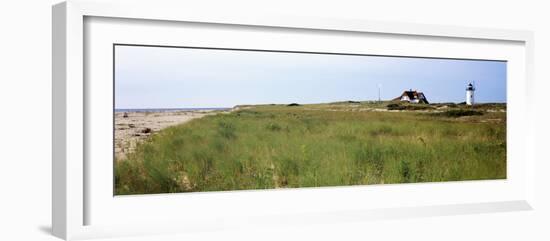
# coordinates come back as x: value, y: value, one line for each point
x: 164, y: 77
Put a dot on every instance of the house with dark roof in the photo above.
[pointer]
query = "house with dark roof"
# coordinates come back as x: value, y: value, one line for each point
x: 412, y: 96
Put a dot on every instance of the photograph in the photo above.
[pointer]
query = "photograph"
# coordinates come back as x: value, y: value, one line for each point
x: 197, y: 119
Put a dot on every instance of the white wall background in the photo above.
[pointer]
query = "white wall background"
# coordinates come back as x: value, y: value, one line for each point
x: 25, y: 119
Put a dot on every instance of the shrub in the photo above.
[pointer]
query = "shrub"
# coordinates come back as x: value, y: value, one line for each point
x: 395, y: 106
x: 459, y: 113
x: 293, y: 104
x: 417, y: 107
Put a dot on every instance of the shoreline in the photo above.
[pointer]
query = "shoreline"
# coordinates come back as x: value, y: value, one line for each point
x: 162, y: 110
x: 133, y: 127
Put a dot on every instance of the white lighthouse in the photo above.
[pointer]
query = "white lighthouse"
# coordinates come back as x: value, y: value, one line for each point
x: 470, y: 94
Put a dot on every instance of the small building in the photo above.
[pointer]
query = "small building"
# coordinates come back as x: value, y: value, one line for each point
x: 412, y: 96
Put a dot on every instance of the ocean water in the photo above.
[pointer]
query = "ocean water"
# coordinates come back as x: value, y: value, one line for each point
x: 168, y: 109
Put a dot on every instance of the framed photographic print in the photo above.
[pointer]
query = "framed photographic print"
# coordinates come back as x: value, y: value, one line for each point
x: 211, y: 122
x: 192, y: 119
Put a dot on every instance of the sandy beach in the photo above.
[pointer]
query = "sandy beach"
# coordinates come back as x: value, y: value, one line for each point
x: 134, y: 127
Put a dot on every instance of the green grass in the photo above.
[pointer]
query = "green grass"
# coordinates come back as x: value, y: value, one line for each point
x: 279, y: 146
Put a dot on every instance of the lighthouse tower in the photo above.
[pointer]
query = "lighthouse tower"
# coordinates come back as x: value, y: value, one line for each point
x: 470, y: 94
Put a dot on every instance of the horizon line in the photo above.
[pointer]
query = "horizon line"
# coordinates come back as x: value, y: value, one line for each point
x: 286, y: 103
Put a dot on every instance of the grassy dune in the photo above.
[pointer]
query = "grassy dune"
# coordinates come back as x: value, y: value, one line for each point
x: 278, y: 146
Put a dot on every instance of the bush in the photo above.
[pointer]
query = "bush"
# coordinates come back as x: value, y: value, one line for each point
x: 293, y: 104
x: 417, y: 107
x: 443, y: 104
x: 460, y: 113
x: 395, y: 106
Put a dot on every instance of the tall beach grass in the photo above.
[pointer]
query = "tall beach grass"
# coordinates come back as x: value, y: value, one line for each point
x: 279, y: 146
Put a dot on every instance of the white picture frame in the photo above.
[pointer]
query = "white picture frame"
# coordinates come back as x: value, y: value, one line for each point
x: 75, y: 201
